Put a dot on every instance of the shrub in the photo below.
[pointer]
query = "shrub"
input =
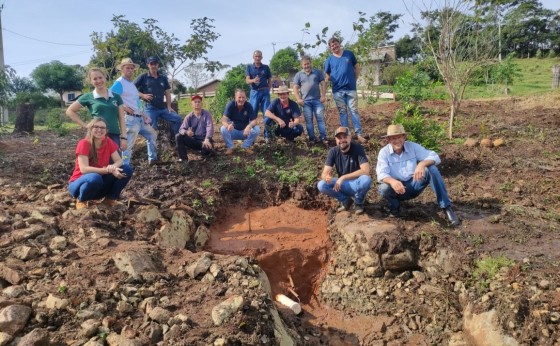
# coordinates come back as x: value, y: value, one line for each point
x: 539, y: 54
x: 419, y: 129
x: 551, y: 54
x: 413, y: 86
x: 392, y: 72
x: 54, y: 121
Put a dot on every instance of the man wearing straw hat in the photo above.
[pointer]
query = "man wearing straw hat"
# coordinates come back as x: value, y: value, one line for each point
x: 285, y: 113
x: 405, y: 169
x: 136, y: 121
x: 352, y: 166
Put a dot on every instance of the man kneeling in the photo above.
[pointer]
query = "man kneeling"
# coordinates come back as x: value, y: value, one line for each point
x: 404, y: 169
x: 352, y: 167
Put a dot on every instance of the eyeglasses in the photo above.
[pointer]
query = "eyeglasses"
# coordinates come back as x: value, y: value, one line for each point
x: 99, y: 127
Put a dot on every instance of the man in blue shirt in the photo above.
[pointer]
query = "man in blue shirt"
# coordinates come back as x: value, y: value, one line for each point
x: 136, y: 122
x: 258, y: 76
x: 285, y: 113
x: 310, y: 90
x: 352, y: 166
x: 405, y: 169
x: 239, y: 122
x: 154, y: 89
x: 341, y: 68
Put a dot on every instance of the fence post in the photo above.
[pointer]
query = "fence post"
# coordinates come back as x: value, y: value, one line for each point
x: 555, y: 76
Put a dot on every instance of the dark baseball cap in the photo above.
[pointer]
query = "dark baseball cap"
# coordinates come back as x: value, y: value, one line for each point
x: 342, y: 129
x: 152, y: 59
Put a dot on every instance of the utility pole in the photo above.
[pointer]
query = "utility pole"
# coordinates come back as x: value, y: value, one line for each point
x: 273, y: 48
x: 3, y: 111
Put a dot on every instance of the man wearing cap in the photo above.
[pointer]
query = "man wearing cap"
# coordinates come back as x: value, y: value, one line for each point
x: 239, y: 122
x: 311, y: 84
x: 285, y: 113
x: 352, y: 166
x: 258, y: 76
x: 341, y: 68
x: 196, y: 131
x: 154, y: 89
x: 405, y: 168
x: 136, y: 121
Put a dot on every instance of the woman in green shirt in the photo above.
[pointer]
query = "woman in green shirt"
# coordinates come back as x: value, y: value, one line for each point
x: 101, y: 102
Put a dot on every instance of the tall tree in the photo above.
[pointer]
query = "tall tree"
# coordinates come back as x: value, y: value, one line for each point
x: 58, y: 77
x: 284, y: 62
x: 6, y: 76
x: 196, y: 75
x: 462, y: 45
x: 22, y: 84
x: 128, y: 39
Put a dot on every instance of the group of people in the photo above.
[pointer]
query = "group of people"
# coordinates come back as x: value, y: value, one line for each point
x: 102, y: 164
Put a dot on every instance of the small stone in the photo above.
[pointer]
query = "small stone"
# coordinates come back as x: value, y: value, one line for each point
x: 160, y: 315
x: 499, y: 142
x: 58, y: 243
x: 56, y: 303
x: 226, y: 309
x: 486, y: 142
x: 545, y: 333
x: 544, y: 284
x: 13, y: 291
x: 515, y: 286
x: 470, y: 142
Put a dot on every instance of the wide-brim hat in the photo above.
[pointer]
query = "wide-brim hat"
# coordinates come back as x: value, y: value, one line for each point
x: 395, y: 130
x: 282, y: 89
x: 126, y: 61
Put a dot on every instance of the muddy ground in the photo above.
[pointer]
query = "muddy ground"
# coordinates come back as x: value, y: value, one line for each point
x: 506, y: 197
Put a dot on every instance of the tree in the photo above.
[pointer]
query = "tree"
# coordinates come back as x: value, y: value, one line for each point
x: 58, y: 77
x: 463, y: 44
x: 284, y: 62
x: 196, y: 75
x: 408, y: 48
x: 375, y: 32
x: 139, y: 42
x: 6, y: 76
x: 22, y: 84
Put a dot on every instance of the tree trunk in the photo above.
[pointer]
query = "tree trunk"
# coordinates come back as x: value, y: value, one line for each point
x: 452, y: 116
x: 25, y: 117
x: 555, y: 76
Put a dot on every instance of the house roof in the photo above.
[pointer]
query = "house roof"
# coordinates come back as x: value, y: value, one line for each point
x: 208, y: 83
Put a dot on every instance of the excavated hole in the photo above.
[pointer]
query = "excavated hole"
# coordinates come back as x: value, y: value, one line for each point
x: 288, y: 242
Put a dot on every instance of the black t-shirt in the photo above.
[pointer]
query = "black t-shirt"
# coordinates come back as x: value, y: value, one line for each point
x: 147, y: 84
x: 347, y: 162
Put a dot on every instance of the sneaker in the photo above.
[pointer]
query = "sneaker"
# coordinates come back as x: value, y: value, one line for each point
x: 394, y: 213
x: 185, y: 161
x: 249, y: 151
x: 361, y: 139
x: 346, y: 205
x: 109, y: 202
x: 81, y: 205
x: 229, y: 151
x: 359, y: 209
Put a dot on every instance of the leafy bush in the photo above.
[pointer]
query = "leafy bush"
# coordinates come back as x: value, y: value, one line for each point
x: 392, y: 72
x: 551, y: 54
x: 539, y: 54
x: 234, y: 79
x: 413, y: 86
x: 54, y: 121
x: 419, y: 129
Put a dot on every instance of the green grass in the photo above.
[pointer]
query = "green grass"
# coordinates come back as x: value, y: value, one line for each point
x: 487, y: 268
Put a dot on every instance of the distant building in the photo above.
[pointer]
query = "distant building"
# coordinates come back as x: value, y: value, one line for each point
x: 372, y: 67
x: 208, y: 88
x: 70, y: 96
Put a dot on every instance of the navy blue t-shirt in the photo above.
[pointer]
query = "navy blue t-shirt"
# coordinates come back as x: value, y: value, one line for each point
x: 347, y: 162
x: 263, y: 72
x: 240, y: 117
x: 147, y: 84
x: 286, y: 114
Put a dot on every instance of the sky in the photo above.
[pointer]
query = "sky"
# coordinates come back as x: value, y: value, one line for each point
x: 36, y: 32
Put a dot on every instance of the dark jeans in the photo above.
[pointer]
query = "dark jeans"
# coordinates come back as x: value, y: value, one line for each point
x: 96, y: 186
x: 184, y: 142
x: 289, y: 133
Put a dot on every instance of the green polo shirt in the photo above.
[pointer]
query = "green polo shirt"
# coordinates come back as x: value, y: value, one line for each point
x: 107, y: 109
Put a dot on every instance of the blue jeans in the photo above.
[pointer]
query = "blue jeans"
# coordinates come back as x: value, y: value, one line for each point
x: 414, y: 188
x: 260, y: 100
x: 357, y: 188
x: 230, y: 136
x: 155, y: 113
x: 348, y: 100
x: 134, y: 127
x: 311, y: 107
x: 96, y: 186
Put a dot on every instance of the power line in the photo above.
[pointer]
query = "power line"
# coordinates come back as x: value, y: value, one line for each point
x: 50, y: 42
x: 26, y: 62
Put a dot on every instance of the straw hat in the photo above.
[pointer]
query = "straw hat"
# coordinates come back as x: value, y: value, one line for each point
x: 282, y: 89
x: 395, y: 130
x: 126, y: 61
